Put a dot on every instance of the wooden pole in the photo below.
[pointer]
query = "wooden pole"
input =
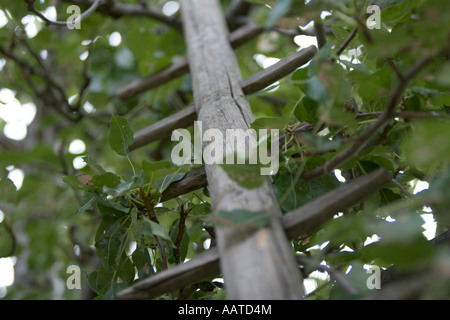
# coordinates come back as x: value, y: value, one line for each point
x: 258, y: 263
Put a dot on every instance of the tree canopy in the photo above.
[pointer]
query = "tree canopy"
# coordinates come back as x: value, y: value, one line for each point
x: 359, y: 91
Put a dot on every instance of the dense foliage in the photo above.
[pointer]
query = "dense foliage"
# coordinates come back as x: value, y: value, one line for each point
x: 104, y: 213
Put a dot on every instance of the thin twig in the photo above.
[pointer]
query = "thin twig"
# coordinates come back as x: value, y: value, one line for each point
x: 347, y: 41
x: 363, y: 28
x: 152, y: 215
x: 347, y: 286
x: 53, y: 94
x: 62, y: 97
x: 181, y: 230
x: 397, y: 71
x: 406, y: 115
x: 402, y: 188
x: 319, y: 32
x: 86, y: 78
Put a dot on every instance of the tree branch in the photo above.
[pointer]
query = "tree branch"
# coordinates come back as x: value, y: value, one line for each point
x: 193, y: 180
x: 237, y: 9
x: 364, y: 138
x: 282, y: 68
x: 347, y: 286
x: 319, y: 32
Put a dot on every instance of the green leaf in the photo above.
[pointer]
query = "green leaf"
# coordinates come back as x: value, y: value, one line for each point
x: 277, y: 12
x: 307, y: 111
x: 110, y: 208
x: 300, y: 75
x: 7, y: 190
x: 413, y: 103
x: 109, y: 242
x: 437, y: 196
x: 292, y: 193
x: 382, y: 155
x: 107, y: 179
x: 428, y: 144
x: 157, y: 169
x: 357, y: 278
x: 316, y: 90
x: 90, y: 204
x: 361, y: 67
x: 200, y: 209
x: 322, y: 55
x: 246, y: 175
x: 374, y: 88
x: 6, y: 241
x: 92, y: 280
x: 270, y: 123
x: 122, y: 188
x: 152, y: 229
x: 443, y: 77
x: 350, y: 230
x: 102, y: 278
x: 124, y: 273
x: 80, y: 182
x: 142, y: 261
x: 401, y: 254
x: 240, y: 219
x: 93, y: 165
x: 120, y: 135
x: 164, y: 182
x: 321, y: 143
x: 339, y: 32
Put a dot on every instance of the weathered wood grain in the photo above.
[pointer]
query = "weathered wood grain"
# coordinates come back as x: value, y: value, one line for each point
x: 163, y: 128
x: 256, y: 264
x: 193, y: 180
